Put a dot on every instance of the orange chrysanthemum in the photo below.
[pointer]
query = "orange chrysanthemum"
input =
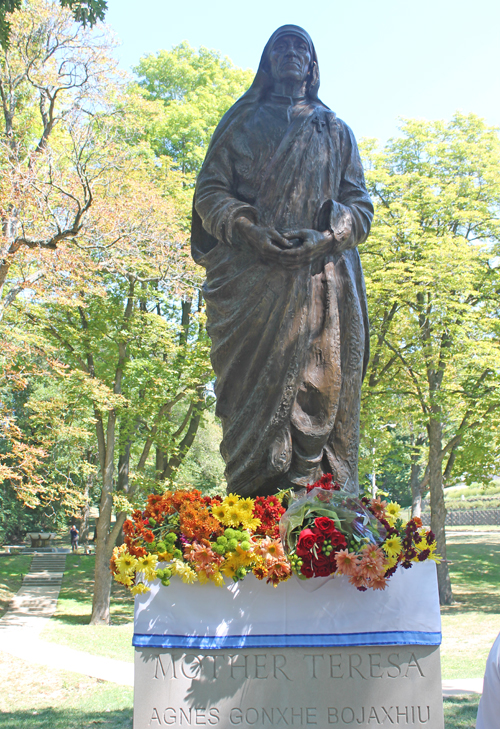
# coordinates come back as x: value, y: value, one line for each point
x: 347, y: 562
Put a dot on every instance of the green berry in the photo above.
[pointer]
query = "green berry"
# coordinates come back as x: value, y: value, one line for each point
x: 232, y: 544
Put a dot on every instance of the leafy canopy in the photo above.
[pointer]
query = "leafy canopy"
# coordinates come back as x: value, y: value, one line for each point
x: 196, y: 89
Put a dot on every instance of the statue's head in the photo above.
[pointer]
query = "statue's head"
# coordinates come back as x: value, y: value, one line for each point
x: 289, y: 55
x: 290, y: 58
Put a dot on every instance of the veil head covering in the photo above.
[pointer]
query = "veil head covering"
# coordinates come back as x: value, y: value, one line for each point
x: 263, y: 79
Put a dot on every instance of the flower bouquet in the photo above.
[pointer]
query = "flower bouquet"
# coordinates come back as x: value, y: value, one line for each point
x: 327, y: 531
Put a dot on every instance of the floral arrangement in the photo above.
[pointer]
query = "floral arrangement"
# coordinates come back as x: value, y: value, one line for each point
x: 327, y: 531
x: 324, y: 531
x: 200, y: 538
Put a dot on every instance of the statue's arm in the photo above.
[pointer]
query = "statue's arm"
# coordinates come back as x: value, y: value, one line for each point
x: 349, y: 217
x: 215, y: 201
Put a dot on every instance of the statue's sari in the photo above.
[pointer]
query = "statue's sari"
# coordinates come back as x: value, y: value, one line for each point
x: 289, y: 342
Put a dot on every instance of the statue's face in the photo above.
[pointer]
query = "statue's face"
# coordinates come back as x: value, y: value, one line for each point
x: 290, y: 59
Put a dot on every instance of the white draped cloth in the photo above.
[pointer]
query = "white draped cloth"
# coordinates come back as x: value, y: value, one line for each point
x: 488, y: 715
x: 316, y: 612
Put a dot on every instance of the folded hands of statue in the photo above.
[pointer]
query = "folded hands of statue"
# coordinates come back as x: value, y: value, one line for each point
x: 291, y: 248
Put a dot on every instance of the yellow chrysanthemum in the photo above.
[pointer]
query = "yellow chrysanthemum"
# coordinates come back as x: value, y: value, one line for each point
x: 165, y: 556
x: 189, y: 576
x: 177, y: 566
x: 202, y: 577
x: 250, y: 522
x: 433, y: 554
x: 392, y: 546
x: 217, y: 579
x: 150, y: 575
x: 232, y: 516
x: 393, y: 509
x: 390, y: 562
x: 246, y: 506
x: 139, y: 589
x: 230, y: 501
x: 147, y: 563
x: 244, y: 557
x: 219, y: 512
x: 230, y: 566
x: 126, y: 563
x: 124, y: 579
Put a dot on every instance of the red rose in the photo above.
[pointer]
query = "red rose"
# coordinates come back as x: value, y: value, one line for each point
x: 325, y: 526
x: 307, y: 570
x: 307, y: 540
x: 323, y: 566
x: 338, y: 540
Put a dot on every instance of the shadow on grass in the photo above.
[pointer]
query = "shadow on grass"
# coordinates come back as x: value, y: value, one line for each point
x: 66, y: 719
x: 459, y: 712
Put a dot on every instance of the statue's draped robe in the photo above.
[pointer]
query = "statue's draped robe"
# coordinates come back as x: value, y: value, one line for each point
x: 289, y: 343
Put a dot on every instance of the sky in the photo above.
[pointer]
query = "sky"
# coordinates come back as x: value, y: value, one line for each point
x: 379, y: 60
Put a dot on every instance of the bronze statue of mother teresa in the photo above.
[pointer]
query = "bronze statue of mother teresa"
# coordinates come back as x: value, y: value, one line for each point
x: 279, y: 210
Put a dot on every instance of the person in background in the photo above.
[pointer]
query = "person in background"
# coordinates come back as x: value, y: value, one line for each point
x: 73, y: 533
x: 488, y: 715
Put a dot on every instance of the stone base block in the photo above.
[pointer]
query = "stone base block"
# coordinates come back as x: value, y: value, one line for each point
x: 366, y: 686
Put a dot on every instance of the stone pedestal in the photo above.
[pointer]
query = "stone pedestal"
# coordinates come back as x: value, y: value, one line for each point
x: 217, y: 657
x: 301, y: 687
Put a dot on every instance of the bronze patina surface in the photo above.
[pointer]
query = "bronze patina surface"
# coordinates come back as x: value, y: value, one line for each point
x: 279, y: 210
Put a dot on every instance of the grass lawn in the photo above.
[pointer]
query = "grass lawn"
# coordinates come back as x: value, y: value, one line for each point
x: 12, y: 569
x: 471, y: 625
x: 35, y: 697
x: 459, y: 712
x: 70, y: 624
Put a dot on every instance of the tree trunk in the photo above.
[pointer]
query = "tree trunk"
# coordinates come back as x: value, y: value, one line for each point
x: 438, y: 508
x: 104, y: 542
x: 102, y: 582
x: 84, y: 521
x: 416, y: 494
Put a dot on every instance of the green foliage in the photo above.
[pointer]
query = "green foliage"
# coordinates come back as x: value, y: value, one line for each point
x: 203, y: 466
x: 196, y: 88
x: 433, y: 284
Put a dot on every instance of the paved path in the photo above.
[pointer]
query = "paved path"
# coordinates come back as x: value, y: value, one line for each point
x: 29, y: 613
x: 35, y: 604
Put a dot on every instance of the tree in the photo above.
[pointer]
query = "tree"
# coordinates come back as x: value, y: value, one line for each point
x: 51, y: 88
x: 196, y: 88
x: 433, y: 287
x: 87, y: 12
